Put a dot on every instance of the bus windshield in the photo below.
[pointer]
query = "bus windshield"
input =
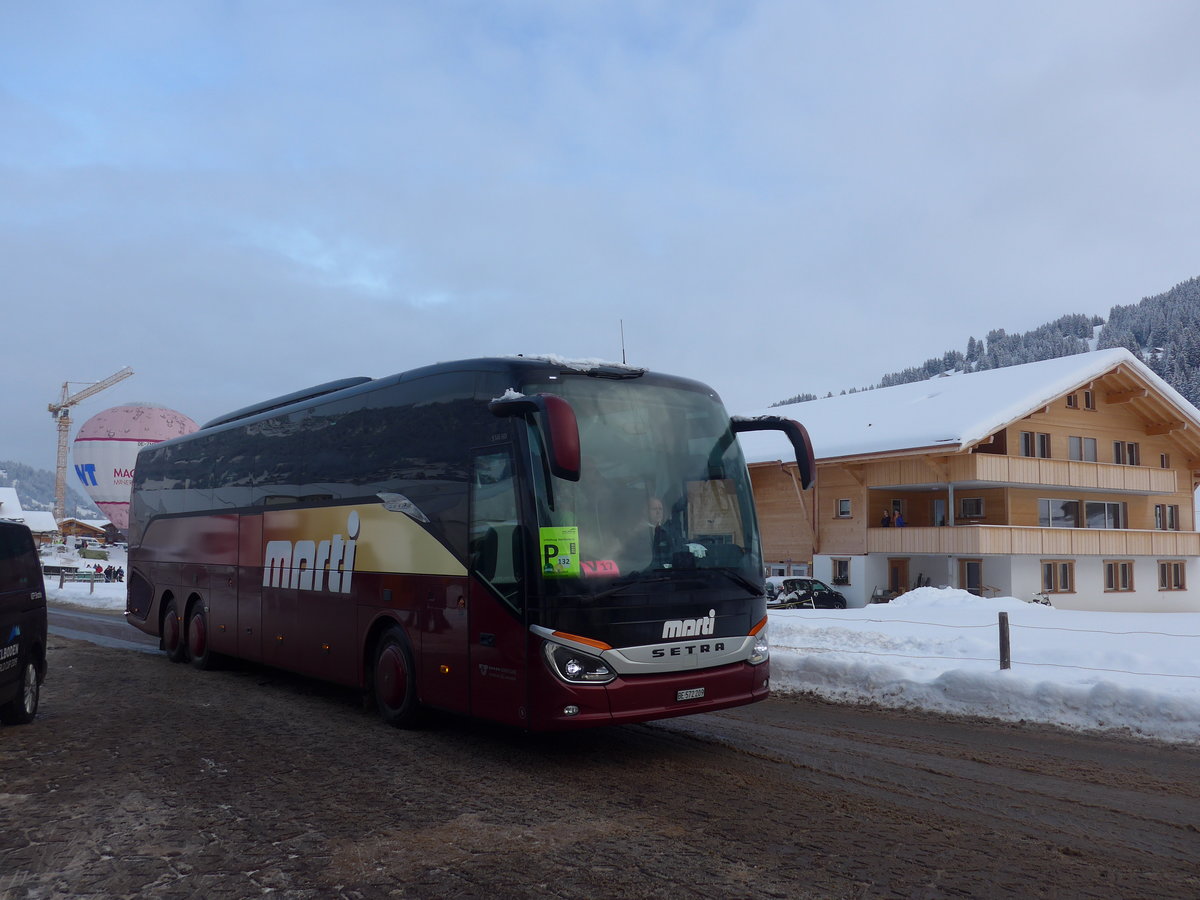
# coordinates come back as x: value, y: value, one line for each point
x: 663, y: 492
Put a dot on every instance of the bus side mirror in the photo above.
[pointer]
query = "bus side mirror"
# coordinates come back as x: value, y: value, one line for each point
x: 796, y: 433
x: 560, y: 431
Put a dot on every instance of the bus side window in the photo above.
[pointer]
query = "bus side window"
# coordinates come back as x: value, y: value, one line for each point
x: 496, y: 545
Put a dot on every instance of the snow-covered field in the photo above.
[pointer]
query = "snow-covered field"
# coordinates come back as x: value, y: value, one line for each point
x: 938, y: 649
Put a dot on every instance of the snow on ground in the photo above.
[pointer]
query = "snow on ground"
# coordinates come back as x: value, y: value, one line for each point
x: 937, y: 649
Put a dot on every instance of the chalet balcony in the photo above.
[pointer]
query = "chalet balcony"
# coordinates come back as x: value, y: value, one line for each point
x: 973, y: 540
x: 988, y: 468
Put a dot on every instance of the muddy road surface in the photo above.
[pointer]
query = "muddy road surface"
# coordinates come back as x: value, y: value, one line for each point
x: 142, y: 778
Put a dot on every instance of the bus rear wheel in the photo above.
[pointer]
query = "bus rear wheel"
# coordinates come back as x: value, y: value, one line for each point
x: 197, y: 639
x: 393, y: 680
x: 172, y: 634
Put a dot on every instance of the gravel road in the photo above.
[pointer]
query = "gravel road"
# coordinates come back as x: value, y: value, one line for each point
x: 141, y: 778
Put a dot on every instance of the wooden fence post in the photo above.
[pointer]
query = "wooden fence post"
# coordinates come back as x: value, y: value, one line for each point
x: 1005, y: 648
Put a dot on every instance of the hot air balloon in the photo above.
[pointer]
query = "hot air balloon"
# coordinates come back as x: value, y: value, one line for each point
x: 106, y: 449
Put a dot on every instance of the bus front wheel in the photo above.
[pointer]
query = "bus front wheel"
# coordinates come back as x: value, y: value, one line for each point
x: 394, y: 681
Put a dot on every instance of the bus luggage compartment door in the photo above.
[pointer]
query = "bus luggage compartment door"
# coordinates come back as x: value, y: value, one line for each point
x: 249, y: 588
x: 444, y: 664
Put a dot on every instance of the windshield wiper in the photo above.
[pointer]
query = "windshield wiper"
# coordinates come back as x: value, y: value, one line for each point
x: 666, y: 575
x: 740, y: 580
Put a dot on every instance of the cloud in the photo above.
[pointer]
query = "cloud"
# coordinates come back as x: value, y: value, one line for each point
x: 773, y: 197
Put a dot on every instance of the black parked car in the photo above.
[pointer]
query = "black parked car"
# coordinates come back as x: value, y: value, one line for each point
x: 806, y: 593
x: 22, y: 625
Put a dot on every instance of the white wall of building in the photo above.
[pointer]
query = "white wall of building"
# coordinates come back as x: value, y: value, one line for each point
x: 1021, y: 577
x: 1089, y: 591
x: 858, y: 591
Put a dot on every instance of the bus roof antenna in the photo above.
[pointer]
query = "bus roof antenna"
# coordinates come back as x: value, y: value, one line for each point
x: 622, y: 321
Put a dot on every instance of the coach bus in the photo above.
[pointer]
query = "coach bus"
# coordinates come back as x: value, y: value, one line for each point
x: 545, y: 543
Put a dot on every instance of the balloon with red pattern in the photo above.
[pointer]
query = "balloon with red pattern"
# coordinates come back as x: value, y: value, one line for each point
x: 106, y: 448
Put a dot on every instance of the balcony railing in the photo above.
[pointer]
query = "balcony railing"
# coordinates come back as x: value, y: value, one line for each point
x: 1062, y: 472
x: 1021, y: 470
x: 970, y: 540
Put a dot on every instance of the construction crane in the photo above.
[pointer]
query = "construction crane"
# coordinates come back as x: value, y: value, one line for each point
x: 61, y: 411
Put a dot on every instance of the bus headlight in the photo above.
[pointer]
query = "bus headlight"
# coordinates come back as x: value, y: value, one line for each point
x: 762, y: 649
x: 576, y: 667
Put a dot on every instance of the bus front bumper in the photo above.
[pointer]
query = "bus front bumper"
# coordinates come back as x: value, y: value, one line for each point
x: 643, y: 698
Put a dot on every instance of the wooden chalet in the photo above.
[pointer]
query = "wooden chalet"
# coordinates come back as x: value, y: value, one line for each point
x: 83, y: 528
x: 1072, y: 477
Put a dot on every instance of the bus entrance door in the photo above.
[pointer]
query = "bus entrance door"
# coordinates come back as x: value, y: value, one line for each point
x: 497, y: 586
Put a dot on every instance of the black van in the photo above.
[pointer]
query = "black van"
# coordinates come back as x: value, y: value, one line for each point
x: 22, y: 625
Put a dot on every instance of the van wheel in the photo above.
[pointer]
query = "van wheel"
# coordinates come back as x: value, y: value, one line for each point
x: 394, y: 682
x: 172, y: 634
x: 197, y: 639
x: 22, y: 709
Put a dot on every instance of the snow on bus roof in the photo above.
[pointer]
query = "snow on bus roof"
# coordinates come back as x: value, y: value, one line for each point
x: 579, y: 365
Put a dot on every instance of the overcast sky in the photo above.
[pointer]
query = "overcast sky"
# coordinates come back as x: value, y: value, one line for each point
x: 240, y: 199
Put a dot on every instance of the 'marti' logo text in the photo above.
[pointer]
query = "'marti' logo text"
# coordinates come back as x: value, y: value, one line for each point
x: 313, y: 565
x: 690, y: 627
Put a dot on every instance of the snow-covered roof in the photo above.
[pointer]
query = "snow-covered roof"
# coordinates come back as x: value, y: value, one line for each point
x: 953, y: 411
x: 39, y: 521
x: 10, y: 506
x: 97, y: 524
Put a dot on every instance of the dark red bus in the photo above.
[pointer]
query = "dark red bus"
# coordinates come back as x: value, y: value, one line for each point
x: 533, y: 541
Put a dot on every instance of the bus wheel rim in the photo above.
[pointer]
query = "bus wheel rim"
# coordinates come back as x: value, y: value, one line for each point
x: 197, y: 638
x: 391, y: 677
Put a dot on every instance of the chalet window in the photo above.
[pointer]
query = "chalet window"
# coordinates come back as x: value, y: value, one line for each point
x: 1089, y: 399
x: 1101, y: 514
x: 1118, y: 575
x: 1058, y: 576
x: 971, y: 507
x: 1171, y: 575
x: 1166, y: 517
x: 841, y: 571
x: 1072, y: 401
x: 1058, y: 513
x: 843, y: 509
x: 1164, y: 460
x: 1081, y: 448
x: 1125, y: 453
x: 1035, y: 443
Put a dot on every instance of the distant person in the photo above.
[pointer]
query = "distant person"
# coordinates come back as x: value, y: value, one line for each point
x: 900, y: 523
x: 886, y: 521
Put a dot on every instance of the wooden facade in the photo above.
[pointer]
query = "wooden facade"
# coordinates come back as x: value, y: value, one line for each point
x: 76, y: 528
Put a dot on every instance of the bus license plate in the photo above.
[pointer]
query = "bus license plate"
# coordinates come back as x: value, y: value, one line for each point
x: 689, y: 694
